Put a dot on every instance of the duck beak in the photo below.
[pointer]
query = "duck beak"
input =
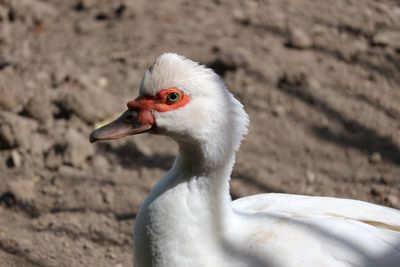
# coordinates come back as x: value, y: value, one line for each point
x: 124, y: 125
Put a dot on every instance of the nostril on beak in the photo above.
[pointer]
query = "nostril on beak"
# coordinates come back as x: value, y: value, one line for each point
x: 130, y: 115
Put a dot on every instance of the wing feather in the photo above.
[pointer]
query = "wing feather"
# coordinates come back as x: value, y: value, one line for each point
x: 311, y: 207
x: 333, y: 231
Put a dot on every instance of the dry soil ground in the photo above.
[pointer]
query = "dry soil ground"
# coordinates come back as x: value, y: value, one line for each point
x: 320, y: 80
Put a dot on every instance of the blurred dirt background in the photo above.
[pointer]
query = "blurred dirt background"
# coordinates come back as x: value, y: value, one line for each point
x: 319, y: 79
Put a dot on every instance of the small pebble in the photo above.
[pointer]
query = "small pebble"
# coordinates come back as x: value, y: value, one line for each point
x: 299, y: 39
x: 310, y: 176
x: 82, y: 5
x: 387, y: 38
x: 103, y: 82
x: 236, y: 58
x: 16, y: 130
x: 16, y: 158
x: 375, y: 157
x: 279, y: 111
x: 39, y: 108
x: 313, y: 83
x: 107, y: 196
x: 396, y: 11
x: 22, y: 190
x: 393, y: 200
x: 111, y: 255
x: 240, y: 16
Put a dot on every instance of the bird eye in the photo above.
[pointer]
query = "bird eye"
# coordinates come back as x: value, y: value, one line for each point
x: 173, y: 97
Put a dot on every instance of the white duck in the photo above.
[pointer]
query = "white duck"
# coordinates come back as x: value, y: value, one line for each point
x: 189, y: 219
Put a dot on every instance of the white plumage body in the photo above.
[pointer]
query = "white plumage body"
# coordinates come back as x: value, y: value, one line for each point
x: 189, y: 219
x: 264, y: 230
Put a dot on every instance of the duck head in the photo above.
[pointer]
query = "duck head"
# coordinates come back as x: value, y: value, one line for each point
x: 184, y: 100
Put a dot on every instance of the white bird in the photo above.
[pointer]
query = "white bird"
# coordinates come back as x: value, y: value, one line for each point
x: 189, y: 219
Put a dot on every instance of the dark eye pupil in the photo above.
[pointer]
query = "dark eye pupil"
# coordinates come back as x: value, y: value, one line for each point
x: 173, y: 97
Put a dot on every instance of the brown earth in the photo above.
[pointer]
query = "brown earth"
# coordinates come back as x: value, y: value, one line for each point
x: 320, y: 80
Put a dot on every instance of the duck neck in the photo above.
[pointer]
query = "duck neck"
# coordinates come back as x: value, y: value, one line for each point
x: 209, y: 171
x: 191, y: 202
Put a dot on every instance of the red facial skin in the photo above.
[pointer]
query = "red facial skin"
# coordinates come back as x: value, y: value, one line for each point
x: 146, y: 104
